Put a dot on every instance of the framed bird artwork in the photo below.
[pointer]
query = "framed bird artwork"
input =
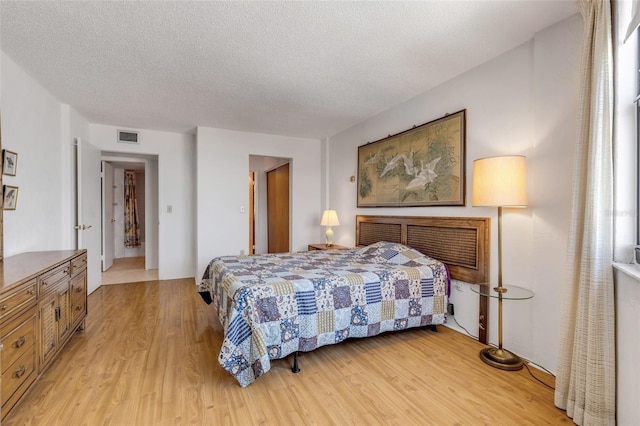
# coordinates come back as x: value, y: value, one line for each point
x: 422, y: 166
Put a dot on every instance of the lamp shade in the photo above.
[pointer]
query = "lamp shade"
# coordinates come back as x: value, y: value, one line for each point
x: 500, y: 181
x: 329, y: 218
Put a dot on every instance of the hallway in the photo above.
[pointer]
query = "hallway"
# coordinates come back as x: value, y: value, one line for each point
x: 128, y: 270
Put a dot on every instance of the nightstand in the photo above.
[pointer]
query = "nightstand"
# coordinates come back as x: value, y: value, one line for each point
x: 324, y: 247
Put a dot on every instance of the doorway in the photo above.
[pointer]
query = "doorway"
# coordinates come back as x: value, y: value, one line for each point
x: 131, y: 257
x: 259, y: 166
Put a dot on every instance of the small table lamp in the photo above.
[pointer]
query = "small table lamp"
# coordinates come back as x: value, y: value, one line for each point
x: 500, y: 182
x: 329, y: 219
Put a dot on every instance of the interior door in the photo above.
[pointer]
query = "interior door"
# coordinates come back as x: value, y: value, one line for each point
x: 278, y: 209
x: 108, y: 220
x: 88, y: 206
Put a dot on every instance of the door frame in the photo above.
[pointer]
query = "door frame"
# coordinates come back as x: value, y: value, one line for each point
x: 152, y: 201
x: 260, y: 164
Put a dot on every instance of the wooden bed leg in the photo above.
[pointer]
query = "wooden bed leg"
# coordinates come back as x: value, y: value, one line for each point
x: 434, y: 328
x: 295, y: 368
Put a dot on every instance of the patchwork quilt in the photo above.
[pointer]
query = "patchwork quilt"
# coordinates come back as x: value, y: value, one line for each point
x: 273, y: 305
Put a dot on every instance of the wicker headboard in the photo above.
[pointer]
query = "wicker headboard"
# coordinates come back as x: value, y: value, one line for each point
x: 460, y: 242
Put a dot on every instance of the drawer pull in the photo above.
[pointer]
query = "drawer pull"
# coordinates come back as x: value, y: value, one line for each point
x: 20, y: 342
x: 3, y: 307
x: 79, y: 307
x: 31, y: 292
x: 78, y: 289
x: 66, y: 271
x: 20, y: 371
x: 44, y: 283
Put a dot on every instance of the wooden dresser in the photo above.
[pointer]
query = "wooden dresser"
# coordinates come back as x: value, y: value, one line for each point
x: 43, y: 299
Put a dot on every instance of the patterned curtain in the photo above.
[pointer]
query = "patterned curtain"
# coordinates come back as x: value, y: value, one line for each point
x: 586, y: 376
x: 131, y: 224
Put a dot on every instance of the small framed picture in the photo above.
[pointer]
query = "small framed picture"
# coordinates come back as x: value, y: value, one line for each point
x: 9, y: 162
x: 9, y: 197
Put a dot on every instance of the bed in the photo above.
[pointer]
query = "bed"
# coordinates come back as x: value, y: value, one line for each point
x: 271, y: 306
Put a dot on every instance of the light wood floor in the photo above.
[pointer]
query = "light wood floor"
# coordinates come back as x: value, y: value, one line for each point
x: 128, y: 270
x: 149, y: 355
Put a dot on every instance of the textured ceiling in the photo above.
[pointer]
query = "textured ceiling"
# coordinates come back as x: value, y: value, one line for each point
x: 308, y: 69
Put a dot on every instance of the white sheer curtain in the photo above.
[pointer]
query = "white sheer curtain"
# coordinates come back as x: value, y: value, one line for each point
x: 131, y: 221
x: 585, y: 382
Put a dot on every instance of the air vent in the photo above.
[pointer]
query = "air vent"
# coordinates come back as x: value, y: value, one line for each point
x: 127, y: 137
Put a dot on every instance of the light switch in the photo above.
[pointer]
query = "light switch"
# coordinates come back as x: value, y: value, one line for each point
x: 169, y: 208
x: 241, y: 209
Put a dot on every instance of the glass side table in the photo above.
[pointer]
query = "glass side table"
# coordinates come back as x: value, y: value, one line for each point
x: 499, y: 357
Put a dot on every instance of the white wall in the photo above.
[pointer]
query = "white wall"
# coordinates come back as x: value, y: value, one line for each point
x: 176, y: 182
x: 31, y: 126
x: 555, y: 84
x: 41, y: 130
x: 522, y: 102
x: 223, y: 167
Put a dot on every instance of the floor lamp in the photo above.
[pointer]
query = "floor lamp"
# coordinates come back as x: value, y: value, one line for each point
x: 500, y: 182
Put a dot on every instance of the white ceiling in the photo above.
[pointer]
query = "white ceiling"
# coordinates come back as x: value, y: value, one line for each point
x: 307, y: 69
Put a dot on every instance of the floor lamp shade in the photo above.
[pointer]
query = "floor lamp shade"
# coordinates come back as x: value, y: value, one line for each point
x: 329, y: 219
x: 500, y: 182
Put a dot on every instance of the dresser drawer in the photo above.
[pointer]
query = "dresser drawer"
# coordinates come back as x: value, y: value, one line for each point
x: 16, y: 299
x: 78, y: 298
x: 19, y: 373
x: 18, y: 337
x: 79, y: 286
x: 78, y: 265
x: 78, y: 311
x: 47, y: 281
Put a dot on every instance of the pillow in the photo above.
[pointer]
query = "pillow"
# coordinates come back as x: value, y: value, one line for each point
x: 387, y: 252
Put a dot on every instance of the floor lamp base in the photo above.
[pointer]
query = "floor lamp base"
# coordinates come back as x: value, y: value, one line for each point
x: 502, y: 359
